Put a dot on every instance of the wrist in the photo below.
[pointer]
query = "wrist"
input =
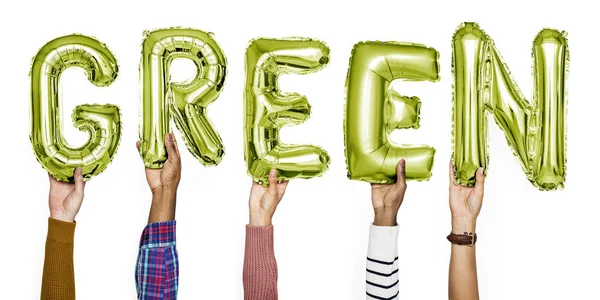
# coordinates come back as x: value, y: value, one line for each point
x: 163, y: 205
x: 463, y: 224
x: 386, y: 217
x: 260, y: 220
x: 164, y: 194
x: 62, y: 217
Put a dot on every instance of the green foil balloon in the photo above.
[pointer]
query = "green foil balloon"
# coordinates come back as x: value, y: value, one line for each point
x: 374, y: 110
x: 268, y: 109
x: 185, y: 102
x: 102, y: 122
x: 483, y: 84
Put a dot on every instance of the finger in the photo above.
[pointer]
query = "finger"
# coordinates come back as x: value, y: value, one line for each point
x: 176, y: 146
x: 137, y: 145
x: 51, y: 178
x: 272, y: 189
x: 79, y: 183
x: 401, y: 173
x: 284, y: 184
x: 451, y: 171
x: 479, y: 180
x: 281, y: 187
x: 170, y: 144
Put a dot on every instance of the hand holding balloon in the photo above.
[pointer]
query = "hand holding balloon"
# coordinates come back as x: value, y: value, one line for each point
x: 264, y: 200
x: 387, y: 198
x: 465, y: 202
x: 65, y: 198
x: 164, y: 182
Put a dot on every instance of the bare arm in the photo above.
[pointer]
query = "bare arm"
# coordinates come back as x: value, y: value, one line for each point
x: 465, y: 205
x: 164, y: 182
x: 463, y: 266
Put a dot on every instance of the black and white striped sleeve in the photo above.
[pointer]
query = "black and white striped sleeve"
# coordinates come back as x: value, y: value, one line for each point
x: 382, y: 263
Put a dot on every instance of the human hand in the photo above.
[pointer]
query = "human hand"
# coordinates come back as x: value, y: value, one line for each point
x: 465, y: 202
x: 264, y: 200
x: 65, y: 198
x: 387, y: 198
x: 164, y: 182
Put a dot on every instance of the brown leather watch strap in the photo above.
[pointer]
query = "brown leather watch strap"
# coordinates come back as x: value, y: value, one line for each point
x: 465, y: 239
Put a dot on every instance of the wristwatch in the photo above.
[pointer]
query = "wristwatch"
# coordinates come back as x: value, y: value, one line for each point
x: 465, y: 239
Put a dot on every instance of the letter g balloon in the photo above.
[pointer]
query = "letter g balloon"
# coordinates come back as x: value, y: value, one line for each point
x: 102, y: 122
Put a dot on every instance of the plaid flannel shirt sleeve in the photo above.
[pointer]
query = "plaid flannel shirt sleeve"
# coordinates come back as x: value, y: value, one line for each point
x: 157, y: 268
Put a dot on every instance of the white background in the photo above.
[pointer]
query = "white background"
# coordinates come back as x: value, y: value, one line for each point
x: 532, y: 244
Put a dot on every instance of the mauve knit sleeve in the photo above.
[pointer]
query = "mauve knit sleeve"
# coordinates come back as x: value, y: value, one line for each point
x: 260, y: 267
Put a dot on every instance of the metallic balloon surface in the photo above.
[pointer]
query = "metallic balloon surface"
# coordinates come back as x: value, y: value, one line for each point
x: 102, y: 122
x: 268, y: 108
x: 374, y: 110
x: 184, y: 102
x: 483, y: 84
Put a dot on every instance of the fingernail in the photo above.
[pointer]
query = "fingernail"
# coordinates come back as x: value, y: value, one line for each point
x: 402, y: 163
x: 170, y: 137
x: 273, y: 173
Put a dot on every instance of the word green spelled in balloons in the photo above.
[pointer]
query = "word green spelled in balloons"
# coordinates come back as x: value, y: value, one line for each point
x: 535, y: 131
x: 374, y: 110
x: 102, y: 122
x: 184, y: 102
x: 268, y: 109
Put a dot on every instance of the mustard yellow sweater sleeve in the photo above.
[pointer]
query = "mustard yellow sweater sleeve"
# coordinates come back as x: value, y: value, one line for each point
x: 58, y: 280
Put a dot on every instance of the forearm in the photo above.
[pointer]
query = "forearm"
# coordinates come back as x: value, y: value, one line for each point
x: 260, y: 266
x: 163, y: 206
x: 58, y: 279
x: 386, y: 217
x: 463, y: 266
x: 157, y: 267
x: 382, y: 262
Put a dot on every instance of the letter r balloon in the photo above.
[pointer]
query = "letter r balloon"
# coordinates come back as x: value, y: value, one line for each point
x: 184, y: 102
x: 374, y: 110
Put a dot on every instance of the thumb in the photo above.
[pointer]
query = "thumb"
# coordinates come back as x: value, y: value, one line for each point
x: 272, y: 189
x: 79, y: 183
x: 401, y: 173
x: 171, y: 146
x: 451, y: 172
x: 479, y: 181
